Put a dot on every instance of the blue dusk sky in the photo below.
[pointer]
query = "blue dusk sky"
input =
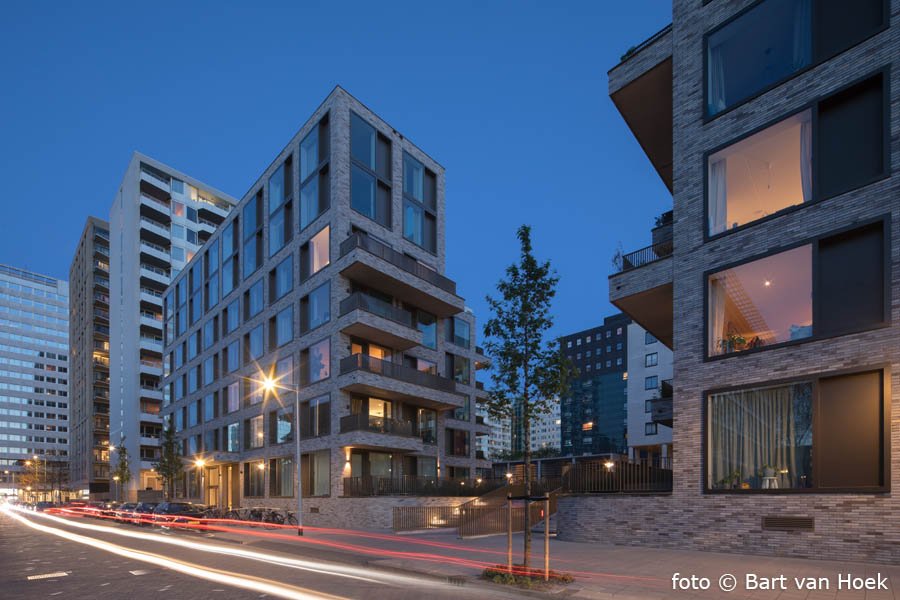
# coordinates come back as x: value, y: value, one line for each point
x: 510, y: 97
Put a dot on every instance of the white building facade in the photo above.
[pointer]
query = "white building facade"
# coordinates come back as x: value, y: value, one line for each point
x: 649, y: 394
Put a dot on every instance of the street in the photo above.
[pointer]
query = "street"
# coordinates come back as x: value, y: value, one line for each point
x: 47, y: 555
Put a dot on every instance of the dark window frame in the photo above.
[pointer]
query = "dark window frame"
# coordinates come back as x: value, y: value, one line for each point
x: 884, y: 220
x: 321, y: 171
x: 884, y: 369
x: 426, y: 210
x: 379, y: 179
x: 813, y: 107
x: 814, y: 62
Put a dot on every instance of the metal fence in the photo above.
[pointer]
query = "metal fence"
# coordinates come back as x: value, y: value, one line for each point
x: 644, y: 256
x: 618, y: 476
x: 411, y: 485
x: 417, y: 518
x: 493, y: 520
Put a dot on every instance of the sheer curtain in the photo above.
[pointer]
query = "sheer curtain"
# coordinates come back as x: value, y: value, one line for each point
x: 802, y: 34
x: 716, y: 320
x: 806, y: 156
x: 715, y: 79
x: 718, y: 194
x: 753, y: 430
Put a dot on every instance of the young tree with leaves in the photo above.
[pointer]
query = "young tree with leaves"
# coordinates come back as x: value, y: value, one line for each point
x: 123, y: 467
x: 527, y: 371
x: 169, y: 466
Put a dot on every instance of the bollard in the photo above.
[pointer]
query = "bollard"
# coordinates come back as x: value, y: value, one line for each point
x: 546, y: 537
x: 509, y: 528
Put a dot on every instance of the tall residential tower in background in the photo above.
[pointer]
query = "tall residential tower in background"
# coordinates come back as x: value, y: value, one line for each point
x: 158, y: 220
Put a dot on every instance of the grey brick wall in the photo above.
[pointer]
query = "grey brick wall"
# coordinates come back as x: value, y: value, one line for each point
x: 848, y: 526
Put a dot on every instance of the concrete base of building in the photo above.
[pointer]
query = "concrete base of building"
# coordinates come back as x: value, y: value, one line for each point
x: 846, y: 528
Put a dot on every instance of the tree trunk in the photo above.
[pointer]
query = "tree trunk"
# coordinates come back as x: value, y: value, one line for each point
x: 526, y: 434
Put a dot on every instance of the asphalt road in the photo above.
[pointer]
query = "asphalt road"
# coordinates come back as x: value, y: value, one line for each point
x: 84, y: 558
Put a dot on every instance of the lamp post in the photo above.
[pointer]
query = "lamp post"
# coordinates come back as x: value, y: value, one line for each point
x: 200, y: 464
x: 116, y: 480
x: 272, y: 385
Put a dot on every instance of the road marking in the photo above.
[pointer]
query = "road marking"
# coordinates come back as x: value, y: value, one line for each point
x: 104, y: 584
x: 48, y: 575
x: 139, y: 572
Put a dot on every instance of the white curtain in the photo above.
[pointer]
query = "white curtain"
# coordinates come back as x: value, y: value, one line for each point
x: 802, y: 34
x: 806, y: 157
x: 716, y: 320
x: 717, y: 192
x: 715, y: 80
x: 751, y: 431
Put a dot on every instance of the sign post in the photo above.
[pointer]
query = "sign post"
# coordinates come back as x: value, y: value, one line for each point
x: 546, y: 537
x: 509, y: 532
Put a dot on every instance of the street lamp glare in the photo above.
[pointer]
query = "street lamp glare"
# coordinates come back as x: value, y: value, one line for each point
x: 115, y: 477
x: 200, y: 462
x: 269, y: 384
x: 261, y: 466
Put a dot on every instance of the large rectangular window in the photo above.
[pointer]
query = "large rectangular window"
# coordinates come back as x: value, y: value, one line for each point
x: 774, y: 39
x: 315, y: 254
x: 761, y: 174
x: 316, y: 473
x: 252, y: 234
x: 419, y: 204
x: 370, y: 171
x: 281, y: 426
x: 315, y: 362
x: 281, y: 279
x: 254, y: 479
x: 315, y: 189
x: 281, y: 206
x: 315, y: 308
x: 315, y: 417
x: 281, y: 328
x: 822, y: 434
x: 771, y: 300
x: 233, y: 437
x: 281, y: 477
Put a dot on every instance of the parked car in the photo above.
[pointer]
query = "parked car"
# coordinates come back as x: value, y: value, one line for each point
x: 109, y: 509
x: 143, y: 513
x: 167, y: 513
x: 94, y: 509
x: 125, y: 512
x: 42, y: 506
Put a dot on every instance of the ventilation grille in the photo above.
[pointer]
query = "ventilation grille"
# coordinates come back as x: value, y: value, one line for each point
x: 314, y: 509
x: 779, y: 523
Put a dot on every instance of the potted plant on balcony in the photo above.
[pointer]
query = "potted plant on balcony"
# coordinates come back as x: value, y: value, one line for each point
x: 733, y: 342
x: 730, y: 481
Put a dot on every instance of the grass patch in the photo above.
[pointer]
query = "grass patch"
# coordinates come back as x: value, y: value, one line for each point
x: 524, y: 577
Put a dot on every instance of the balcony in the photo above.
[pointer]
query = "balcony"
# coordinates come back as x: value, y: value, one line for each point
x: 156, y: 251
x: 366, y: 422
x: 155, y: 208
x: 642, y: 284
x: 151, y: 296
x: 155, y: 231
x: 641, y: 88
x: 369, y: 375
x: 151, y: 344
x: 378, y: 321
x: 156, y: 274
x: 377, y: 265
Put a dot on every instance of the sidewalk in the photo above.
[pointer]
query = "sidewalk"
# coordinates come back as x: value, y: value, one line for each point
x: 601, y: 572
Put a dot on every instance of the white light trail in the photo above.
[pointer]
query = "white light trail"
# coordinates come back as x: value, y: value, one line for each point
x: 336, y: 570
x: 224, y: 577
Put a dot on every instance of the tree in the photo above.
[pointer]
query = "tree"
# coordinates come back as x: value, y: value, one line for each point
x: 169, y: 466
x: 527, y: 371
x: 123, y: 468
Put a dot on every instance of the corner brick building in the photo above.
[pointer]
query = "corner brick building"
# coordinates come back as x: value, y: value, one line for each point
x: 775, y: 125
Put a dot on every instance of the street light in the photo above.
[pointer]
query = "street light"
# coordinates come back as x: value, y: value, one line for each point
x: 200, y: 464
x: 271, y: 385
x: 116, y: 479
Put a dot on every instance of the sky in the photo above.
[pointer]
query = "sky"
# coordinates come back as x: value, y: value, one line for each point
x: 510, y: 97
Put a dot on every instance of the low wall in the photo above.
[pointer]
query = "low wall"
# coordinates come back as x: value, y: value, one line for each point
x: 373, y: 512
x: 849, y: 527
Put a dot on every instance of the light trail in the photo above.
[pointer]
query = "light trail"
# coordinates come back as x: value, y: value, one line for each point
x: 215, y: 575
x: 348, y: 572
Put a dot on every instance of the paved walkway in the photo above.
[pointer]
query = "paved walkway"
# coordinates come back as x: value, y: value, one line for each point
x: 601, y: 572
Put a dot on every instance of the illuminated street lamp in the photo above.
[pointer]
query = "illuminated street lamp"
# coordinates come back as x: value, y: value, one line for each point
x: 271, y: 385
x: 116, y: 479
x: 200, y: 463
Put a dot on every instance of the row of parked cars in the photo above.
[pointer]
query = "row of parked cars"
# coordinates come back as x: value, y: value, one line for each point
x: 141, y: 513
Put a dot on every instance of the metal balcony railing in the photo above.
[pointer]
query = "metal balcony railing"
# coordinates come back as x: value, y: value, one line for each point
x: 411, y: 485
x: 378, y: 307
x: 364, y: 362
x: 642, y: 257
x: 408, y: 264
x: 366, y: 422
x: 618, y: 475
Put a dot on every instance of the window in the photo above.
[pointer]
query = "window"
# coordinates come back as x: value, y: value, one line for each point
x: 651, y: 383
x: 281, y: 477
x: 257, y: 436
x: 280, y: 205
x: 649, y: 428
x: 648, y: 406
x: 314, y: 180
x: 230, y: 273
x: 370, y: 174
x: 253, y: 300
x: 824, y: 434
x: 458, y: 332
x: 209, y: 334
x: 315, y: 417
x: 458, y: 368
x: 233, y: 437
x: 281, y: 279
x: 770, y: 300
x: 232, y: 356
x: 427, y: 324
x: 232, y: 316
x: 233, y: 396
x: 315, y: 362
x: 254, y: 347
x: 315, y: 309
x: 254, y: 479
x: 315, y: 254
x: 252, y: 230
x: 648, y: 338
x: 457, y: 442
x: 281, y: 426
x: 209, y: 407
x: 281, y: 328
x: 316, y: 467
x: 419, y: 204
x: 778, y: 38
x: 651, y: 360
x: 209, y: 371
